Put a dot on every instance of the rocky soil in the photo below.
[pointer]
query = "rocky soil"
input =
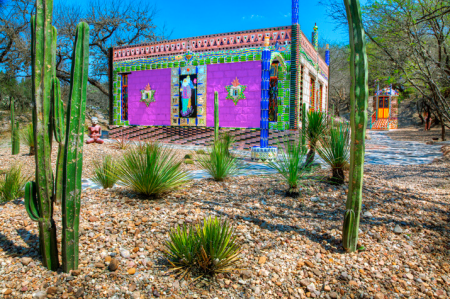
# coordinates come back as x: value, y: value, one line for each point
x: 291, y: 248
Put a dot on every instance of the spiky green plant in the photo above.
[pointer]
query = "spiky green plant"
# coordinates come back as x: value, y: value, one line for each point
x: 219, y: 163
x: 334, y: 149
x: 12, y: 182
x: 153, y: 172
x: 15, y: 135
x: 359, y: 94
x: 316, y: 127
x: 104, y: 172
x: 27, y: 137
x: 227, y: 141
x: 216, y: 116
x: 206, y: 249
x: 291, y: 165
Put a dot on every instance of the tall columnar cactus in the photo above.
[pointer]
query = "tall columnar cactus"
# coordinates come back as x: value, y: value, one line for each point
x: 48, y: 119
x: 304, y: 128
x: 40, y: 194
x: 216, y: 116
x: 358, y: 119
x: 15, y: 139
x: 73, y: 150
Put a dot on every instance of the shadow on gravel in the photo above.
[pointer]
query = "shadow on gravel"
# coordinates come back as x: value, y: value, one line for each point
x: 11, y: 249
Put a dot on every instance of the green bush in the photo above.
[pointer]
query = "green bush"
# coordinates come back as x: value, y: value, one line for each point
x: 335, y: 150
x: 316, y: 126
x: 188, y: 161
x: 12, y: 183
x: 188, y: 156
x: 291, y: 165
x: 151, y: 171
x: 227, y: 141
x: 200, y: 152
x: 206, y: 249
x: 104, y: 172
x: 27, y: 137
x: 219, y: 163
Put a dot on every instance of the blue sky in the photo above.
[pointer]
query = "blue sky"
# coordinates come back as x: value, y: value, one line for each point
x: 203, y: 17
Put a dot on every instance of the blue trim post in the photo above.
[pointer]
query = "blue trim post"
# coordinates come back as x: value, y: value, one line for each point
x: 295, y: 13
x: 327, y: 55
x: 265, y: 85
x: 294, y: 99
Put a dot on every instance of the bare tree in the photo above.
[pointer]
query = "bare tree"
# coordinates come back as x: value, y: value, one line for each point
x: 111, y: 23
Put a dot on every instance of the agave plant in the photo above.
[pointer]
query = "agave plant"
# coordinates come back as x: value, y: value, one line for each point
x: 335, y: 150
x: 316, y: 127
x: 12, y: 183
x: 206, y: 249
x: 218, y: 162
x: 291, y: 165
x: 27, y: 137
x: 104, y: 172
x: 151, y: 171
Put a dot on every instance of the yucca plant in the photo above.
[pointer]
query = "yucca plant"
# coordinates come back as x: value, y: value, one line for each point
x: 335, y: 150
x: 27, y: 137
x: 12, y: 183
x: 227, y: 141
x: 151, y: 171
x: 316, y: 127
x: 218, y: 162
x: 291, y: 165
x: 219, y: 252
x: 206, y: 249
x: 104, y: 172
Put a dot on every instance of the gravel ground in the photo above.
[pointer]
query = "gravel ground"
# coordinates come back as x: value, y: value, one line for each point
x: 91, y: 152
x: 414, y: 134
x: 291, y: 248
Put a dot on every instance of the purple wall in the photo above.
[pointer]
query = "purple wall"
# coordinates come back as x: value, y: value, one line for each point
x: 158, y: 112
x: 247, y: 113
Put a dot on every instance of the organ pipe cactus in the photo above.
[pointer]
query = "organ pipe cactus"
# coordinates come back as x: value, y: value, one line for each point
x: 15, y: 139
x: 216, y: 116
x: 73, y: 150
x: 48, y: 120
x: 358, y: 120
x: 39, y: 195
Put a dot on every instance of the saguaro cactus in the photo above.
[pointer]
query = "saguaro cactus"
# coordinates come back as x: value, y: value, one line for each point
x: 73, y: 150
x: 15, y: 139
x: 358, y: 119
x: 48, y: 119
x: 216, y: 116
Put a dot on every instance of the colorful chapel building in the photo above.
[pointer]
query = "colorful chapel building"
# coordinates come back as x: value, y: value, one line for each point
x: 165, y: 90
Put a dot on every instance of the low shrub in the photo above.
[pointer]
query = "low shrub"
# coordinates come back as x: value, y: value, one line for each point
x: 200, y: 152
x: 104, y: 172
x: 12, y: 183
x: 292, y: 165
x: 219, y: 163
x: 188, y: 156
x: 151, y: 171
x: 188, y: 161
x: 27, y: 137
x: 205, y: 249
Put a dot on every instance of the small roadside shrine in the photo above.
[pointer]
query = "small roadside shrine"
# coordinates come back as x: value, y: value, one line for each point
x: 385, y: 107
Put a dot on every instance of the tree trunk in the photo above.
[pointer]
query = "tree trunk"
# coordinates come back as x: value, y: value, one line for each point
x: 358, y: 119
x: 338, y: 176
x: 442, y: 128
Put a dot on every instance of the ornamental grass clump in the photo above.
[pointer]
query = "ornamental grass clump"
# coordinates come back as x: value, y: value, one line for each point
x: 316, y: 127
x: 105, y: 172
x: 27, y: 137
x: 218, y: 162
x: 12, y: 183
x: 205, y: 249
x: 151, y: 171
x: 335, y: 151
x: 291, y: 165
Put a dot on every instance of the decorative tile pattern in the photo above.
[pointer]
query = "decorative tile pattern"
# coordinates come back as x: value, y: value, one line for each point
x: 235, y: 91
x: 148, y: 95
